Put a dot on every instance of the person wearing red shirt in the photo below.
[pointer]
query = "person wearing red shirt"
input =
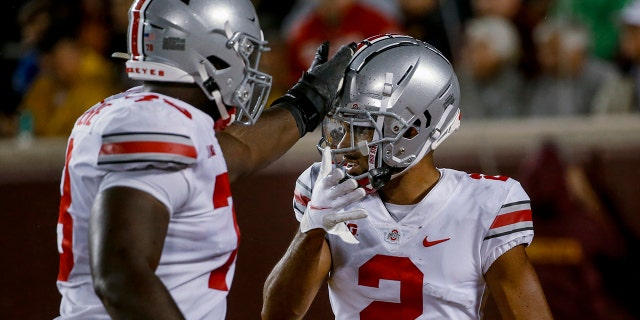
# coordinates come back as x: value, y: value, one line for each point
x: 337, y: 21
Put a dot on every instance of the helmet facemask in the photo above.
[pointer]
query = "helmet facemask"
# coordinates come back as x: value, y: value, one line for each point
x: 252, y: 93
x: 349, y: 131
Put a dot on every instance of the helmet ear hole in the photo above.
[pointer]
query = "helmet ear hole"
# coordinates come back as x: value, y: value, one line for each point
x: 218, y: 63
x: 411, y: 133
x: 427, y: 115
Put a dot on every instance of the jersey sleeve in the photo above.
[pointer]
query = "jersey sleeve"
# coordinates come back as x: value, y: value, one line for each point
x: 304, y: 188
x: 151, y: 133
x: 512, y: 226
x: 171, y: 188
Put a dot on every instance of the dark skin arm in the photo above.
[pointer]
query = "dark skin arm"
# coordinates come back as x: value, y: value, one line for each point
x: 251, y: 148
x: 127, y: 231
x: 515, y: 287
x: 295, y: 280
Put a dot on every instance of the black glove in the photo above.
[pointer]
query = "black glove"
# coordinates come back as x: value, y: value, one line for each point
x: 311, y: 97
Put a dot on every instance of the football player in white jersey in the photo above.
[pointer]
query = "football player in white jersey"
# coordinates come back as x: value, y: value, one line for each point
x: 146, y: 228
x: 434, y: 241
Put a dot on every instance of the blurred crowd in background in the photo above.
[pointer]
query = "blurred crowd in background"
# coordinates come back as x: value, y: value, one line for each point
x: 514, y: 59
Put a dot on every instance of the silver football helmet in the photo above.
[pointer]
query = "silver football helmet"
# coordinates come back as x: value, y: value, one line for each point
x: 405, y: 93
x: 214, y: 43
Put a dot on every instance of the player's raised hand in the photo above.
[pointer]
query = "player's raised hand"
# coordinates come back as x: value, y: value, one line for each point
x: 311, y: 98
x: 329, y: 197
x: 326, y: 75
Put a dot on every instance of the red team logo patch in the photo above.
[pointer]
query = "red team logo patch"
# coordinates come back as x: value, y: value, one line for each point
x: 393, y: 236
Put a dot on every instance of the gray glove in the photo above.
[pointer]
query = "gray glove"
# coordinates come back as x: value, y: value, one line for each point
x: 311, y: 97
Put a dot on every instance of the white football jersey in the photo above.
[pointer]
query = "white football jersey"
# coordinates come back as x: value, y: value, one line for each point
x: 167, y: 148
x: 431, y: 263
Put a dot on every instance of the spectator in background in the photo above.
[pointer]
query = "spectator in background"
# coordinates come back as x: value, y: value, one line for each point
x: 300, y: 8
x: 338, y: 21
x: 599, y: 17
x: 627, y: 90
x: 438, y: 23
x: 72, y: 76
x: 525, y: 15
x: 507, y: 9
x: 531, y: 13
x: 570, y: 77
x: 33, y: 19
x: 571, y: 238
x: 491, y: 85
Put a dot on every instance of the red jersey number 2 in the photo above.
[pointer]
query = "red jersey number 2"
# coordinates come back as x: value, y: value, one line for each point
x: 400, y: 269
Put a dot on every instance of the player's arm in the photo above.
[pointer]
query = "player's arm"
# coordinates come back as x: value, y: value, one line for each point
x: 127, y: 231
x: 515, y: 287
x: 251, y: 148
x: 295, y: 280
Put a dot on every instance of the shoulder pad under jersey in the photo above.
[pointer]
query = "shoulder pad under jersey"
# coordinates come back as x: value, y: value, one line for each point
x: 144, y: 131
x: 508, y: 203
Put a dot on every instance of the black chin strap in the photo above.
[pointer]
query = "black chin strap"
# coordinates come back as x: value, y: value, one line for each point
x: 372, y: 180
x: 379, y: 176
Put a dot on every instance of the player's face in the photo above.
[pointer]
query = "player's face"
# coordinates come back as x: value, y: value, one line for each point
x: 350, y: 139
x: 354, y: 161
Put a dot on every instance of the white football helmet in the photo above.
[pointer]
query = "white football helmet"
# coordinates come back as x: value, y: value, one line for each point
x: 407, y: 92
x: 214, y: 43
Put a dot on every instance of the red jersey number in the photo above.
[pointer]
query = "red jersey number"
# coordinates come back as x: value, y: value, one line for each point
x: 65, y: 223
x: 221, y: 196
x: 400, y: 269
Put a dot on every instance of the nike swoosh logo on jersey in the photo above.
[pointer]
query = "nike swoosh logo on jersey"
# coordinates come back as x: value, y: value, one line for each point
x: 428, y: 243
